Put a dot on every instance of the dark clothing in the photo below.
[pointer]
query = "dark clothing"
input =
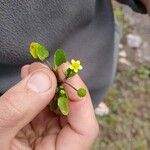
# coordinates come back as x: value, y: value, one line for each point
x: 135, y: 4
x: 83, y: 28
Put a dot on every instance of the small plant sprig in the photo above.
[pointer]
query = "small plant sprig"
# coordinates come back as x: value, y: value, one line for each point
x: 60, y: 102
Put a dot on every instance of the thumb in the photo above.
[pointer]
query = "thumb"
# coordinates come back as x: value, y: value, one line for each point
x: 20, y: 104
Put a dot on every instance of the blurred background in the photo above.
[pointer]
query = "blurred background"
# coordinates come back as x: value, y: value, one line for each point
x: 127, y: 126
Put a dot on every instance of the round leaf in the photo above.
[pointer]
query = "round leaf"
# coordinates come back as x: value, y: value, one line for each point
x: 63, y: 105
x: 33, y: 48
x: 42, y: 52
x: 59, y: 57
x: 38, y: 51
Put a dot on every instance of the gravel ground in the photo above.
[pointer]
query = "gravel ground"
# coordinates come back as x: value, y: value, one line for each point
x: 127, y: 126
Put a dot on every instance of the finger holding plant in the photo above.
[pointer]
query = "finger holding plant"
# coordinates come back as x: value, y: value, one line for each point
x: 60, y: 101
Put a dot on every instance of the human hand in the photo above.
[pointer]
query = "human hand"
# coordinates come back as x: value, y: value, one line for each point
x: 26, y: 122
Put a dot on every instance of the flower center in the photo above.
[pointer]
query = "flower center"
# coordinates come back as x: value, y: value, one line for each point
x: 76, y: 66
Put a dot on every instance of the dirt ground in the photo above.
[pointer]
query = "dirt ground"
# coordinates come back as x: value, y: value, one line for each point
x: 127, y: 127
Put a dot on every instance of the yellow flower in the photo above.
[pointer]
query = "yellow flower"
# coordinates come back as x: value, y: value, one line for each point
x: 75, y: 65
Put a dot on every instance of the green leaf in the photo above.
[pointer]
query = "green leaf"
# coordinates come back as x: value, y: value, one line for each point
x: 63, y: 105
x: 38, y: 51
x: 81, y: 92
x: 33, y: 48
x: 42, y: 52
x: 69, y: 73
x: 59, y: 58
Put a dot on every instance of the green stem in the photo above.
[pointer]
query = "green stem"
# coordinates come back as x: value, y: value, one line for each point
x: 49, y: 65
x: 65, y: 79
x: 64, y: 82
x: 70, y: 85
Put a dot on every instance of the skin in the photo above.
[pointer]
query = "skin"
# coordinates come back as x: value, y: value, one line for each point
x: 26, y: 122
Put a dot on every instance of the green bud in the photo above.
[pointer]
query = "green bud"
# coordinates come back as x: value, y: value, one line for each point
x: 69, y: 73
x: 62, y: 92
x: 81, y: 92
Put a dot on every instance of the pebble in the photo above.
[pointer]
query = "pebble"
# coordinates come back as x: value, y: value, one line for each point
x: 122, y: 54
x: 102, y: 109
x: 124, y: 61
x: 120, y: 46
x: 134, y: 41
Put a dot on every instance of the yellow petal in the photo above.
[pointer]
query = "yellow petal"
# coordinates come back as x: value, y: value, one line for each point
x: 78, y: 62
x: 75, y: 70
x: 72, y: 61
x: 71, y: 67
x: 80, y: 67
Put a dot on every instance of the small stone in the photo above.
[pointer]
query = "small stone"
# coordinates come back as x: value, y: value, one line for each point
x: 120, y: 46
x: 122, y: 54
x: 102, y: 109
x: 134, y: 41
x: 124, y: 61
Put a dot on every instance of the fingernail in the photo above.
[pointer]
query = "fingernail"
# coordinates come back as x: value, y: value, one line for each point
x: 39, y: 82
